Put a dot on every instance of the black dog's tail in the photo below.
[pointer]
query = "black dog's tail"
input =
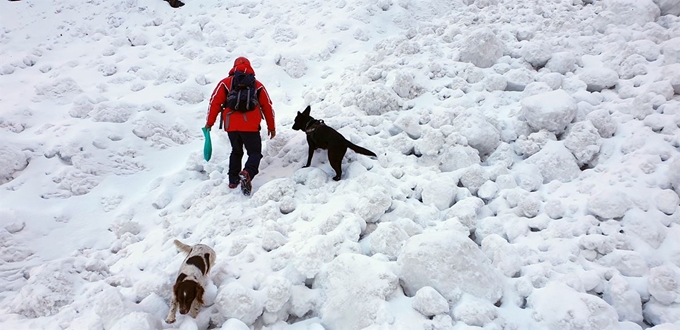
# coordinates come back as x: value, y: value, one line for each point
x: 360, y: 150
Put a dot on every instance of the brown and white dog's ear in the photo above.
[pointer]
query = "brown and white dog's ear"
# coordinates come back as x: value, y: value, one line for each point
x: 199, y: 294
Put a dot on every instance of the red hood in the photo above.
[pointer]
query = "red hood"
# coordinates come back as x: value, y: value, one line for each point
x: 241, y: 64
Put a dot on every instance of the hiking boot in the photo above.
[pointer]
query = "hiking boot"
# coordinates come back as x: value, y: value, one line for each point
x: 233, y: 185
x: 246, y: 186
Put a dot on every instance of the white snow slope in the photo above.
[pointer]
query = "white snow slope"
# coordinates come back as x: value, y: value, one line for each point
x: 527, y: 175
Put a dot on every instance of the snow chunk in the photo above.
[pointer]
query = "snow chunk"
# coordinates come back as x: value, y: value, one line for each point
x: 671, y: 51
x: 293, y: 65
x: 138, y: 321
x: 629, y: 263
x: 573, y: 310
x: 583, y: 141
x: 278, y: 290
x: 474, y: 311
x: 665, y: 316
x: 403, y: 84
x: 555, y: 162
x: 664, y: 284
x: 536, y: 53
x: 12, y: 160
x: 604, y: 123
x: 448, y: 262
x: 552, y: 111
x: 608, y: 202
x: 669, y: 7
x: 235, y: 301
x: 629, y: 12
x: 667, y: 201
x: 645, y: 226
x: 479, y: 133
x: 354, y: 289
x: 456, y: 157
x: 113, y: 111
x: 482, y: 48
x: 466, y: 211
x: 62, y: 90
x: 473, y: 178
x: 387, y: 238
x: 429, y: 302
x: 674, y: 175
x: 624, y: 299
x: 187, y: 95
x: 440, y: 193
x: 110, y: 307
x: 562, y: 62
x: 49, y: 288
x: 275, y: 190
x: 376, y: 99
x: 598, y: 78
x: 502, y: 254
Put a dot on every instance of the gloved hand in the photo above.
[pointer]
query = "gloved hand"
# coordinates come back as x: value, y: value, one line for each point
x: 271, y: 133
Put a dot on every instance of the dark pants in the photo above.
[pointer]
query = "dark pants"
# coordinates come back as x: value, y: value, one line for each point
x: 253, y: 144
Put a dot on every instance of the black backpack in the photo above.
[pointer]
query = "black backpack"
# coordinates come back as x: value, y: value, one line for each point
x: 242, y: 96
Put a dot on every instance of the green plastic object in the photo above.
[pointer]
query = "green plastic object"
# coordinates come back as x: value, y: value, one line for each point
x: 207, y: 145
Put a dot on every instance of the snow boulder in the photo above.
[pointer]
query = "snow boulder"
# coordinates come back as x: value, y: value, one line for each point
x: 562, y: 62
x: 669, y: 7
x: 645, y: 225
x: 583, y: 140
x: 502, y: 254
x: 573, y: 310
x: 138, y: 321
x: 236, y: 301
x: 474, y: 312
x: 602, y: 120
x: 429, y: 302
x: 456, y: 157
x: 49, y: 288
x: 482, y: 48
x: 598, y: 78
x: 552, y: 111
x: 667, y: 201
x: 479, y: 133
x: 629, y: 263
x: 62, y: 91
x: 387, y: 238
x: 555, y: 162
x: 608, y: 202
x: 671, y: 51
x: 624, y: 299
x: 674, y: 174
x: 274, y: 190
x: 440, y: 192
x: 354, y: 290
x: 12, y: 160
x: 629, y: 12
x: 536, y: 53
x: 376, y: 99
x: 448, y: 262
x: 664, y: 284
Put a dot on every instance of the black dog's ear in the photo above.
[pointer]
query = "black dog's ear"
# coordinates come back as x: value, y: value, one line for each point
x: 307, y: 110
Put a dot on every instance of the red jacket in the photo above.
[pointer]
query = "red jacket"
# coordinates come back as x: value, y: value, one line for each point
x: 237, y: 121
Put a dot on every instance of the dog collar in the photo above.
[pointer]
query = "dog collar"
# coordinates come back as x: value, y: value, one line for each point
x: 312, y: 125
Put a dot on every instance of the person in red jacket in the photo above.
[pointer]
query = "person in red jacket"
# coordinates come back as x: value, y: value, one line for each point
x: 243, y: 128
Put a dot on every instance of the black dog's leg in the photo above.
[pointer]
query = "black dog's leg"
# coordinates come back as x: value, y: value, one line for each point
x: 335, y: 155
x: 312, y: 147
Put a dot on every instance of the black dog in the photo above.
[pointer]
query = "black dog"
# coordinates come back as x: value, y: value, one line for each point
x: 321, y: 136
x: 175, y: 3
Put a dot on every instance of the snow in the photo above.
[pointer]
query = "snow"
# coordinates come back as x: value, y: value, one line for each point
x: 528, y: 169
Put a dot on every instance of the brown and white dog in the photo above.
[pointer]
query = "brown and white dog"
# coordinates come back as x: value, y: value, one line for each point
x: 187, y: 293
